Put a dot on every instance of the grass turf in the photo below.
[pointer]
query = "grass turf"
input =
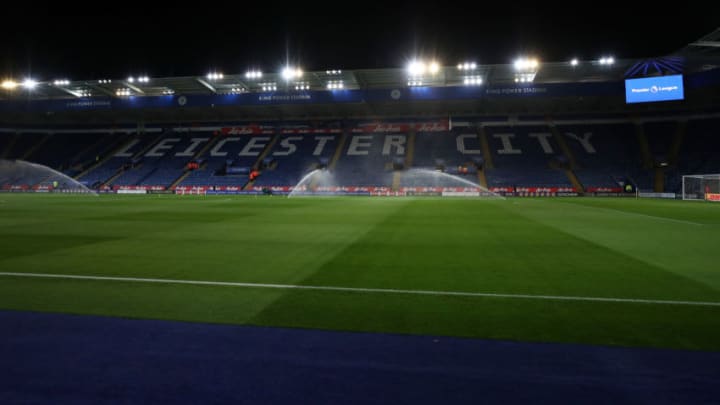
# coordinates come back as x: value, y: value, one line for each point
x: 626, y: 248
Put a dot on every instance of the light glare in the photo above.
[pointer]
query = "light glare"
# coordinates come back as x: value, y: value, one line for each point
x: 29, y: 83
x: 9, y: 84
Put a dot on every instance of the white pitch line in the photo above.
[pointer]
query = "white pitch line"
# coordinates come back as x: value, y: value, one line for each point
x: 365, y: 290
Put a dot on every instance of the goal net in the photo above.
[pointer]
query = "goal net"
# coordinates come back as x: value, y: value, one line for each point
x: 701, y: 187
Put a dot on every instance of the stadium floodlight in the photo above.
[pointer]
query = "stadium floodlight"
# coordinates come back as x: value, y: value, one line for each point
x: 29, y: 83
x: 335, y: 85
x: 434, y: 67
x: 607, y: 60
x: 9, y: 84
x: 416, y: 68
x: 574, y: 62
x: 214, y: 76
x: 290, y: 73
x: 122, y: 92
x: 524, y: 77
x: 525, y: 64
x: 467, y: 66
x: 414, y: 83
x: 61, y: 82
x: 333, y: 72
x: 270, y: 86
x: 104, y: 81
x: 131, y: 79
x: 253, y: 74
x: 472, y: 80
x: 143, y: 79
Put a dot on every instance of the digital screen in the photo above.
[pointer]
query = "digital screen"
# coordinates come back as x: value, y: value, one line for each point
x: 651, y: 89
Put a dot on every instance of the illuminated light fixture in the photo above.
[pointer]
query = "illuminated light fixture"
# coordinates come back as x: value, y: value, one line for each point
x: 168, y: 92
x: 434, y: 67
x: 472, y: 80
x: 524, y: 77
x: 84, y: 93
x: 413, y: 83
x: 268, y: 86
x: 333, y: 72
x: 253, y: 74
x: 525, y: 64
x: 122, y: 92
x: 130, y: 79
x: 236, y: 90
x: 335, y: 85
x: 574, y: 62
x: 143, y: 79
x: 9, y: 84
x: 467, y: 66
x: 289, y: 73
x: 607, y: 60
x: 61, y: 82
x: 416, y: 68
x: 302, y: 86
x: 29, y: 83
x: 214, y: 76
x: 104, y: 81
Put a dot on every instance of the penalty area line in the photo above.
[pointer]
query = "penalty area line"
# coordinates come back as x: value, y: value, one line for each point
x: 364, y: 290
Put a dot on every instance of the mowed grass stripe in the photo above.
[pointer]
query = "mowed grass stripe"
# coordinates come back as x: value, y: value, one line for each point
x: 685, y: 250
x: 364, y: 290
x: 519, y: 247
x: 466, y: 246
x: 278, y: 240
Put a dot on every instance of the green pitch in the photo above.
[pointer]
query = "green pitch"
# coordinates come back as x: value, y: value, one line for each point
x: 535, y: 253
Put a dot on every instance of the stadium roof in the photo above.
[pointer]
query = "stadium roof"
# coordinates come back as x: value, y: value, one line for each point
x: 708, y: 46
x: 447, y: 76
x: 703, y: 54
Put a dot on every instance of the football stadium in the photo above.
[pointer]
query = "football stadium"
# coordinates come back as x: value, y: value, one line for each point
x: 437, y: 232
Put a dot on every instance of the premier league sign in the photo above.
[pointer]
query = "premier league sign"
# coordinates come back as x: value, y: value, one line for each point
x: 650, y: 89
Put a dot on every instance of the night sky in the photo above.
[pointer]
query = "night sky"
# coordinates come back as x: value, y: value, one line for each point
x: 355, y: 36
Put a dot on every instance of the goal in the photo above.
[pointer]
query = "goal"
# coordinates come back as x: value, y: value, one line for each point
x: 701, y: 187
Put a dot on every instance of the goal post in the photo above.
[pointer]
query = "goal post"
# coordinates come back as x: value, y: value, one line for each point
x: 701, y: 187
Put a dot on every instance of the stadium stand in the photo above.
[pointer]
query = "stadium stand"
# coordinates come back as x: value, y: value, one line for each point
x: 603, y: 154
